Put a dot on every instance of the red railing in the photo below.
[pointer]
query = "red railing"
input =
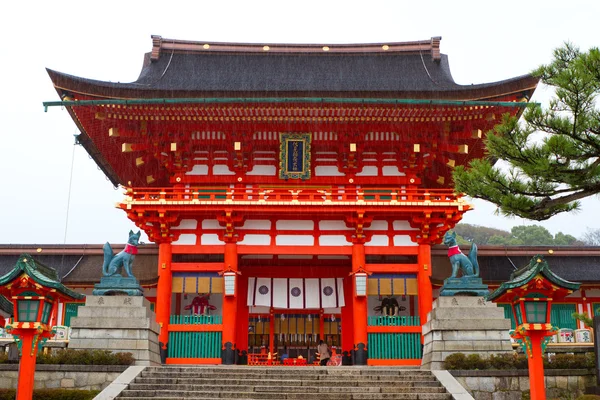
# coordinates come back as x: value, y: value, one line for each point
x: 291, y: 195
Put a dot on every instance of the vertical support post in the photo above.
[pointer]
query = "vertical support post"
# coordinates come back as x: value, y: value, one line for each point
x: 423, y: 278
x: 26, y: 367
x: 536, y: 367
x: 272, y: 348
x: 359, y: 306
x: 163, y: 296
x: 228, y: 353
x: 347, y: 323
x: 321, y: 325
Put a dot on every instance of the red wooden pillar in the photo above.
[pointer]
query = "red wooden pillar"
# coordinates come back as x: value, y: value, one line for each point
x: 26, y: 366
x: 536, y: 366
x: 243, y: 313
x: 424, y: 281
x: 348, y: 318
x: 163, y: 294
x: 228, y: 356
x: 359, y: 306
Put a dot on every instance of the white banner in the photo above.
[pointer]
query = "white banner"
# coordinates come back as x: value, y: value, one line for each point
x: 313, y: 298
x: 296, y: 293
x: 262, y: 292
x: 280, y: 293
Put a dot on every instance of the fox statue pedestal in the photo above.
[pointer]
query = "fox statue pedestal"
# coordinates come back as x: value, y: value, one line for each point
x: 113, y: 285
x: 463, y: 324
x: 121, y: 324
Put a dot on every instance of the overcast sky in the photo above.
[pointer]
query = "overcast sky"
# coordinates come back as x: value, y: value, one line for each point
x: 485, y: 41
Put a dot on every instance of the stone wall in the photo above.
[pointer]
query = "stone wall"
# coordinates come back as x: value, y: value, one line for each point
x: 514, y: 384
x: 85, y: 377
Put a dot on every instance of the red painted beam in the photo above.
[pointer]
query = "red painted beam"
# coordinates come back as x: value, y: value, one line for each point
x: 197, y: 267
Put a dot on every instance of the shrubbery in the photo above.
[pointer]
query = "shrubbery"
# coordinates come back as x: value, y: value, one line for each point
x: 80, y: 357
x: 518, y: 361
x: 52, y: 394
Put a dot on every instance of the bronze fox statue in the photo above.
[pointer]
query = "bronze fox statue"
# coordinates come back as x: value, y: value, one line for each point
x: 467, y: 265
x: 113, y: 264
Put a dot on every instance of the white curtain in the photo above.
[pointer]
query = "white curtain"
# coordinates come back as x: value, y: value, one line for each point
x: 296, y: 293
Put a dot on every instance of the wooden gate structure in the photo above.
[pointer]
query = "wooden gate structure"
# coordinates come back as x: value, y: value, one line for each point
x: 283, y: 179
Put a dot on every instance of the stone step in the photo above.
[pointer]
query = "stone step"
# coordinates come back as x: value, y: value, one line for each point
x: 394, y: 371
x: 285, y: 389
x: 178, y: 394
x: 283, y: 382
x: 283, y: 375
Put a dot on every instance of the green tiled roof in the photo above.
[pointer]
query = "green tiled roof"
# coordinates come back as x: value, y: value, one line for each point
x: 521, y: 277
x: 40, y: 273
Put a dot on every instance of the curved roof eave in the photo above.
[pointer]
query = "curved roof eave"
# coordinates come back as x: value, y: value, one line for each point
x: 65, y: 84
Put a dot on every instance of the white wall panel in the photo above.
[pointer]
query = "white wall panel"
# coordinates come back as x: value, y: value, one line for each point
x: 207, y: 239
x: 198, y: 170
x: 263, y: 170
x: 404, y: 240
x: 187, y: 224
x: 391, y: 170
x: 294, y: 240
x: 222, y: 170
x: 299, y: 225
x: 258, y: 224
x: 368, y: 171
x: 186, y: 239
x: 403, y: 226
x: 256, y: 240
x: 333, y: 240
x: 327, y: 170
x: 333, y: 226
x: 211, y: 224
x: 378, y: 226
x: 378, y: 240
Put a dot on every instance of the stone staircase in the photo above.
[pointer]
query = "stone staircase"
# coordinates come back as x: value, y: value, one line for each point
x: 305, y: 383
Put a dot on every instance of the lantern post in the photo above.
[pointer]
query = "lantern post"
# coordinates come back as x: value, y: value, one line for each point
x: 530, y: 292
x: 35, y: 291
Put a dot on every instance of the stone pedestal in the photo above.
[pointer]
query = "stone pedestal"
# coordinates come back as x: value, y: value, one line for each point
x: 118, y: 285
x: 464, y: 324
x: 121, y: 324
x: 464, y: 286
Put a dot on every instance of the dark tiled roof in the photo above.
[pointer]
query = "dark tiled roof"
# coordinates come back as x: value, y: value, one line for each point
x: 497, y: 268
x: 519, y: 278
x: 40, y: 273
x: 305, y: 72
x: 82, y: 265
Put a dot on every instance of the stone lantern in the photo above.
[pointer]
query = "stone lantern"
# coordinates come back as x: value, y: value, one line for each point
x: 530, y: 292
x: 35, y: 292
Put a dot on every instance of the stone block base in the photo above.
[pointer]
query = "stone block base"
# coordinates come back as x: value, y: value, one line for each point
x: 121, y: 324
x: 467, y: 325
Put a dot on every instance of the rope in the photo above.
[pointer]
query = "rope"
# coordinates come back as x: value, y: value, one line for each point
x: 425, y: 66
x: 69, y: 195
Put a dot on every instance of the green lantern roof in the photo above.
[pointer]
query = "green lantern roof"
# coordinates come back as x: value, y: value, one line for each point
x: 521, y: 277
x: 41, y: 274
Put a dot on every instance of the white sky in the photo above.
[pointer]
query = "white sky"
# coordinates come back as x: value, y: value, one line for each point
x: 486, y: 41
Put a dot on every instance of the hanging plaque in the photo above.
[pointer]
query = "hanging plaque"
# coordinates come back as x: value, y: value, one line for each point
x: 294, y: 155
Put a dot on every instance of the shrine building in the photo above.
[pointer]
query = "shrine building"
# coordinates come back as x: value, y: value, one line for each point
x: 294, y: 191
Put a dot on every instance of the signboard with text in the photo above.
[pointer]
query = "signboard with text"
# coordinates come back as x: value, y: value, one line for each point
x: 294, y: 156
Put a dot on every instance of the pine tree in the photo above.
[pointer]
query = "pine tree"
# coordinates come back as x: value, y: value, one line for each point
x: 553, y: 156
